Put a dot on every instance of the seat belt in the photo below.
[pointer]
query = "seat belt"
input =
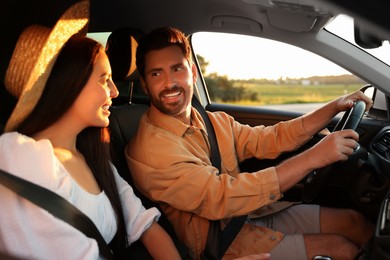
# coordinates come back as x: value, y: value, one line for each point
x: 57, y: 206
x: 218, y: 241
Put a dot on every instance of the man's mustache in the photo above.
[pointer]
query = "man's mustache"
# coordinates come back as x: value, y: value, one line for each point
x: 173, y: 89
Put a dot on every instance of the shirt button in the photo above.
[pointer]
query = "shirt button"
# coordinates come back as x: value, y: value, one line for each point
x: 272, y: 196
x: 272, y: 237
x: 190, y: 131
x: 253, y: 227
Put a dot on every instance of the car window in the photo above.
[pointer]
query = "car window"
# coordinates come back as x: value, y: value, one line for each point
x: 251, y: 71
x: 99, y: 36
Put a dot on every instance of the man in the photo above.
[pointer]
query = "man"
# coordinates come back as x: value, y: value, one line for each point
x: 170, y: 161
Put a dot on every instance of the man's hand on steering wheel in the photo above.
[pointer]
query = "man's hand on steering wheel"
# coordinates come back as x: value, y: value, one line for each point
x: 336, y: 146
x: 346, y: 102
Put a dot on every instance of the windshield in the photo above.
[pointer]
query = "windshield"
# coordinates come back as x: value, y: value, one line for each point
x: 343, y: 27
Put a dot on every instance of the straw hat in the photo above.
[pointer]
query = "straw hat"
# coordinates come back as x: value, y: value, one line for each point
x: 34, y: 56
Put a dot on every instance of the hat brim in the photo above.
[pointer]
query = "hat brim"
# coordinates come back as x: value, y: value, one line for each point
x: 73, y: 21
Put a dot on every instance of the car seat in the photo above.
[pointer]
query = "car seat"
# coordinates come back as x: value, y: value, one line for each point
x: 125, y: 115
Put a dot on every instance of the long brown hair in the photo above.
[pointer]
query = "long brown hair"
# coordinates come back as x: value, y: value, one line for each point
x: 69, y: 75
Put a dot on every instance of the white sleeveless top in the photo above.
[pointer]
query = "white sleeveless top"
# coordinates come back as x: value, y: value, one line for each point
x: 30, y: 232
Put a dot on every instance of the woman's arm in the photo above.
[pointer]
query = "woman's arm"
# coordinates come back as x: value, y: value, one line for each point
x: 159, y: 243
x: 161, y: 246
x: 264, y: 256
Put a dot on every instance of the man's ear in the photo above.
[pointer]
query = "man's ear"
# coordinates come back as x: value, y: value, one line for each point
x: 143, y: 84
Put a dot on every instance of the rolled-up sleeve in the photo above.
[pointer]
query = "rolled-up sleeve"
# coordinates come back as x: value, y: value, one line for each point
x: 262, y: 142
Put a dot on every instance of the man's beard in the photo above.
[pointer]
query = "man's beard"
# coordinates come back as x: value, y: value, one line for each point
x: 171, y: 108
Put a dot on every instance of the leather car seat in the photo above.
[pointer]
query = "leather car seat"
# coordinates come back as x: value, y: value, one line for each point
x: 125, y: 115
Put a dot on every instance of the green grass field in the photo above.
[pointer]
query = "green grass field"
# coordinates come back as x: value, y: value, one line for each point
x: 268, y: 94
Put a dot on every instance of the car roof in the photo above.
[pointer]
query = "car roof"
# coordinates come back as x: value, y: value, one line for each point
x: 266, y: 18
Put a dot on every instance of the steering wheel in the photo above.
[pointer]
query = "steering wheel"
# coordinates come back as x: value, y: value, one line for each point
x: 316, y: 180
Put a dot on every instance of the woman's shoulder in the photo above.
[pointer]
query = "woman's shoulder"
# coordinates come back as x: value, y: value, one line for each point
x: 11, y: 135
x: 18, y: 148
x: 32, y: 160
x: 15, y: 139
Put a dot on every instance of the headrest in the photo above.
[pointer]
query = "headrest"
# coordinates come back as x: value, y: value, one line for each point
x: 121, y: 47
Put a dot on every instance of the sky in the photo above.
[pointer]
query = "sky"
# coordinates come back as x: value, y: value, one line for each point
x: 269, y: 63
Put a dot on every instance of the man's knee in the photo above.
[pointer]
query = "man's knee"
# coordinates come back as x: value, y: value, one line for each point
x: 358, y: 223
x: 334, y: 246
x: 354, y: 218
x: 345, y: 218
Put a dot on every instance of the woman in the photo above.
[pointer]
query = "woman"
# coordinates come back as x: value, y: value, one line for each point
x: 57, y: 138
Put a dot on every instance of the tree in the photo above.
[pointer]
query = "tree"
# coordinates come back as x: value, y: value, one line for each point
x: 202, y: 63
x: 220, y: 88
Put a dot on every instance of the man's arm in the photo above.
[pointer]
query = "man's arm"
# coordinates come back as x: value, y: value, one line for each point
x: 317, y: 120
x: 336, y: 146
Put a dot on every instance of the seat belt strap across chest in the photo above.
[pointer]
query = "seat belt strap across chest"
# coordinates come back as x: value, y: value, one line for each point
x: 57, y: 206
x: 218, y: 241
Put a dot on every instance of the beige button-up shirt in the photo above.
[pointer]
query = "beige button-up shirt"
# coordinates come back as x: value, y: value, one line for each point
x: 170, y: 163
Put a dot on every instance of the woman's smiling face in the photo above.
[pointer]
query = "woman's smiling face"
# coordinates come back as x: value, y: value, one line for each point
x: 91, y: 107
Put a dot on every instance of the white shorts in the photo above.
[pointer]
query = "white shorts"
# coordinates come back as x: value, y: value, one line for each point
x: 293, y: 222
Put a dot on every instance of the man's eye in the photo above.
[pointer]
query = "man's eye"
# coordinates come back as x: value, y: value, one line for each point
x: 178, y: 68
x: 155, y: 74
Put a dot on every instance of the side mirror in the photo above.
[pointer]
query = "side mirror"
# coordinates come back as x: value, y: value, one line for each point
x: 380, y: 107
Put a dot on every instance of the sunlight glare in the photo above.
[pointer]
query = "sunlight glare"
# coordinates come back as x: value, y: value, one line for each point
x: 224, y: 54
